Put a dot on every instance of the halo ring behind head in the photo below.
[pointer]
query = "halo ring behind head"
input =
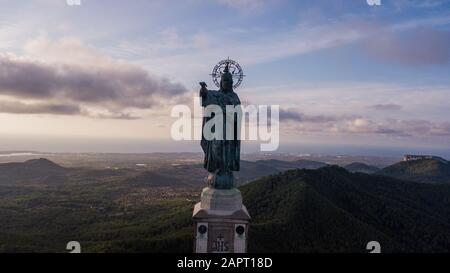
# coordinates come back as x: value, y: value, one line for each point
x: 234, y: 69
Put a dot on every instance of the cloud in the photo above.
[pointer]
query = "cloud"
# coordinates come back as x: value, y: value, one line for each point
x: 260, y: 46
x: 398, y: 128
x: 244, y: 4
x: 15, y: 107
x: 386, y: 107
x: 428, y: 3
x: 292, y: 115
x: 404, y: 4
x: 112, y: 115
x: 416, y: 46
x: 96, y: 82
x: 347, y: 124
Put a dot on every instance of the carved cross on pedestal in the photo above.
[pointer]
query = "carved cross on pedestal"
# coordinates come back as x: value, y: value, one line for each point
x: 220, y: 245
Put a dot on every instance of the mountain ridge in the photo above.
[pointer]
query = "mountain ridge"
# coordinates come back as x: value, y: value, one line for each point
x: 422, y: 170
x: 33, y: 169
x: 356, y: 208
x: 361, y: 167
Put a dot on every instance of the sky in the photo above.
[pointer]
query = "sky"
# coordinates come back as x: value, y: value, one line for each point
x: 103, y: 76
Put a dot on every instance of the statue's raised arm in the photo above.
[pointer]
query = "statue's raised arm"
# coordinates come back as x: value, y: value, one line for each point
x: 203, y: 89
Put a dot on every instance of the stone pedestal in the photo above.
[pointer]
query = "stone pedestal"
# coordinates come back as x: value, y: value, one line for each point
x: 221, y: 222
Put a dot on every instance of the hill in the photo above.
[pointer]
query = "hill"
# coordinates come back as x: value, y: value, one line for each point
x: 34, y: 169
x: 325, y: 210
x: 281, y: 165
x: 360, y: 168
x: 424, y: 170
x: 332, y: 210
x: 251, y: 170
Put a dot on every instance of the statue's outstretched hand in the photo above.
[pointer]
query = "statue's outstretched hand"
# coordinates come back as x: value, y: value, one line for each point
x: 203, y: 90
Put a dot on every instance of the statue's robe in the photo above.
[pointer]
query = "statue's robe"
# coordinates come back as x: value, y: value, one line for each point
x: 221, y: 155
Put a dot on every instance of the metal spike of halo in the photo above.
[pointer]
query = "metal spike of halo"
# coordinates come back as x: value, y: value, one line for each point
x: 233, y: 67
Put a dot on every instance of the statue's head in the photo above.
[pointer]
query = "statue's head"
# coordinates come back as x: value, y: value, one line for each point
x: 226, y: 81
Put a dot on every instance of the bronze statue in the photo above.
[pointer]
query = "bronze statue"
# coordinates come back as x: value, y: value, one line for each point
x: 222, y: 156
